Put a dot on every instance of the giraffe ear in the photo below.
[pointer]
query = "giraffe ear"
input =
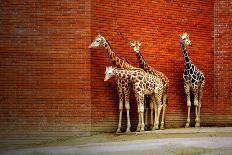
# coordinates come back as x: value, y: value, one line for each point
x: 132, y: 43
x: 139, y: 43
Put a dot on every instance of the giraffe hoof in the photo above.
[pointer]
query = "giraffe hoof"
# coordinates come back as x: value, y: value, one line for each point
x: 154, y: 128
x: 157, y: 128
x: 138, y: 129
x: 128, y: 131
x: 187, y: 125
x: 197, y: 125
x: 161, y: 128
x: 118, y: 131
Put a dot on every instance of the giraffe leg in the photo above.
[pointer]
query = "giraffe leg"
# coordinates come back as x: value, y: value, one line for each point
x: 187, y: 91
x: 120, y: 93
x: 160, y: 106
x: 139, y: 123
x: 120, y: 115
x: 146, y: 117
x: 164, y: 110
x: 127, y: 106
x: 196, y: 108
x: 140, y: 102
x: 146, y: 113
x: 142, y: 121
x: 199, y: 121
x: 200, y: 102
x: 156, y: 114
x: 142, y: 113
x: 152, y: 110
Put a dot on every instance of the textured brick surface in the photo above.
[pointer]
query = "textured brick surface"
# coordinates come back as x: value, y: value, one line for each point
x: 223, y: 62
x: 52, y: 86
x: 45, y: 69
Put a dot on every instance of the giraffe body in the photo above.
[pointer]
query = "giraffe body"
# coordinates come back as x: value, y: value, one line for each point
x: 122, y: 84
x: 144, y: 65
x: 143, y: 84
x: 194, y: 81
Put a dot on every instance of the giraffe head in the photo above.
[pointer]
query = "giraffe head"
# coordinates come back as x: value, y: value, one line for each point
x: 99, y: 40
x: 184, y: 39
x: 135, y: 45
x: 109, y: 72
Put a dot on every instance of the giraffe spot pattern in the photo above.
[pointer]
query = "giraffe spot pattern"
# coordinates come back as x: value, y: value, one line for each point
x: 191, y: 71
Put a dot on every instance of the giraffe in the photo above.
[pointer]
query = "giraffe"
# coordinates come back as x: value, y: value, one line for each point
x: 143, y: 84
x: 122, y: 84
x: 194, y: 81
x: 144, y: 65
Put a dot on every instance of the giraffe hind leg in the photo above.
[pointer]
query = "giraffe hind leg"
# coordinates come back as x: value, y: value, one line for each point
x: 156, y: 114
x: 164, y: 110
x: 196, y: 107
x: 127, y: 106
x: 140, y: 102
x: 199, y: 104
x: 160, y: 106
x: 187, y: 91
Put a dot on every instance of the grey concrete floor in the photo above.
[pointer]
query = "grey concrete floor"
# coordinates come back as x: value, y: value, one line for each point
x: 192, y: 142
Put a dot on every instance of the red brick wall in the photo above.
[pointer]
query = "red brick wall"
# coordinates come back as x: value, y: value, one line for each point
x: 45, y: 69
x: 52, y: 86
x: 158, y: 25
x: 223, y: 63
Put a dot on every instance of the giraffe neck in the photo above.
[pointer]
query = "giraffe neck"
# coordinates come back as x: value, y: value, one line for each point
x: 143, y: 64
x: 119, y: 62
x: 185, y: 54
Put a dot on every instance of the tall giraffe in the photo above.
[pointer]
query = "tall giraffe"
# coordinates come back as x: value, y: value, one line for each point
x: 194, y: 81
x: 123, y: 84
x: 144, y: 65
x: 143, y: 84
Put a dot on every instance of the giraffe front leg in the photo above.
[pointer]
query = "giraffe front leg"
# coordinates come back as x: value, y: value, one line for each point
x: 120, y: 93
x: 127, y: 106
x: 142, y: 116
x: 196, y: 108
x: 120, y: 116
x: 187, y: 91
